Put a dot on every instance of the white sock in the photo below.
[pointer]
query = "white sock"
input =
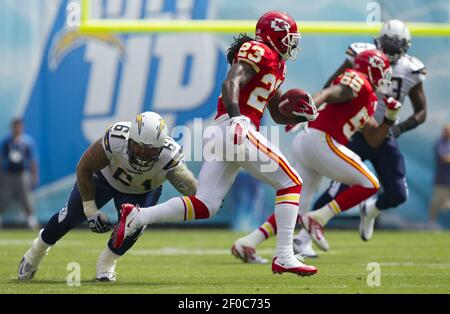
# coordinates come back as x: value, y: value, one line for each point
x: 170, y: 211
x: 253, y: 239
x: 107, y: 261
x: 37, y: 251
x: 286, y: 217
x: 371, y: 208
x: 322, y: 215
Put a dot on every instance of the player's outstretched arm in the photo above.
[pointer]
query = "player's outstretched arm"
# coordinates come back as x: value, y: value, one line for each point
x: 419, y: 104
x: 239, y: 75
x: 93, y: 159
x: 334, y: 94
x: 376, y: 134
x: 339, y: 71
x: 183, y: 180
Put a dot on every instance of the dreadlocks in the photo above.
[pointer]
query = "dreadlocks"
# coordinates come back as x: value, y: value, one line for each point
x: 236, y: 45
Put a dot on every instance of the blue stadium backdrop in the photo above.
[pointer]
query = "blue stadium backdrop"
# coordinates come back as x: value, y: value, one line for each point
x: 69, y: 89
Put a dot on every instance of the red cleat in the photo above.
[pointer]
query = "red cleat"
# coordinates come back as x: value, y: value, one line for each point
x: 125, y: 227
x: 292, y: 265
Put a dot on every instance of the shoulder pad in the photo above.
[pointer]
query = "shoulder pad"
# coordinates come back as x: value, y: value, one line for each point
x: 172, y: 154
x: 416, y: 66
x: 357, y: 48
x: 116, y: 137
x: 256, y: 54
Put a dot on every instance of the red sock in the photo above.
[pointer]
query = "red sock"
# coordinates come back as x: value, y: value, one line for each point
x: 353, y: 196
x: 194, y: 208
x: 269, y: 227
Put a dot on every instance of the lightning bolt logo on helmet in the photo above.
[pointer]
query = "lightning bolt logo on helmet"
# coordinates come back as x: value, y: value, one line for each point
x: 139, y: 122
x: 161, y: 127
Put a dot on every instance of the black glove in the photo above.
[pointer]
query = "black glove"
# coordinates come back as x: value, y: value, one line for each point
x: 395, y: 131
x: 99, y: 223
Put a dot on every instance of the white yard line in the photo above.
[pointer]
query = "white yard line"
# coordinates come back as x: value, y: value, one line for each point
x: 12, y: 242
x: 170, y: 251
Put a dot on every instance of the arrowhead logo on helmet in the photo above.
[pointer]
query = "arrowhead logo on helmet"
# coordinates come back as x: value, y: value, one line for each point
x: 279, y: 25
x: 376, y: 66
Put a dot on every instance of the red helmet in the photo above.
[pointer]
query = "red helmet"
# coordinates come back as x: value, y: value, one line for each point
x: 279, y: 31
x: 375, y: 64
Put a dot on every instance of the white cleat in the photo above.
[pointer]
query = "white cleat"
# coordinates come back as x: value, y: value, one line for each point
x: 315, y: 230
x: 106, y: 276
x: 304, y: 248
x: 26, y: 270
x: 247, y: 254
x: 106, y: 266
x: 127, y: 224
x: 367, y: 221
x: 32, y: 258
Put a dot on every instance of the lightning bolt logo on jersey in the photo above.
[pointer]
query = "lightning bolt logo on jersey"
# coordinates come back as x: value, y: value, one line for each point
x: 270, y: 74
x: 122, y: 176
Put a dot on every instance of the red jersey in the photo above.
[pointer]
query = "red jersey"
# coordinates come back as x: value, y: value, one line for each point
x: 271, y: 72
x: 342, y: 120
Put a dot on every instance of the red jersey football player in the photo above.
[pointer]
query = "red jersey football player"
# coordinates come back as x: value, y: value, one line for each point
x: 319, y: 150
x: 257, y: 70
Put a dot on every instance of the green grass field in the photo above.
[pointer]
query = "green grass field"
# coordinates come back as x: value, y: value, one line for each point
x: 198, y: 261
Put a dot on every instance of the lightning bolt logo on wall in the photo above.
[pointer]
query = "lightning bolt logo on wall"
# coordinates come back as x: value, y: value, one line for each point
x: 99, y: 79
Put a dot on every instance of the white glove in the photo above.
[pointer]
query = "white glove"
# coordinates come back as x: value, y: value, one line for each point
x: 239, y: 127
x: 393, y: 107
x: 98, y: 221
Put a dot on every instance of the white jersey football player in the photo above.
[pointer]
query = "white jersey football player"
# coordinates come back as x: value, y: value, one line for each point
x: 407, y: 80
x: 128, y: 164
x: 408, y: 71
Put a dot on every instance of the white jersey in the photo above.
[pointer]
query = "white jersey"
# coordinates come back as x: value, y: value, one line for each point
x: 124, y: 178
x: 407, y: 73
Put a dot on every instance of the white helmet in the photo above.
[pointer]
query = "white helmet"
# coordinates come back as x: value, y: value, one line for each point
x: 145, y: 143
x: 394, y: 39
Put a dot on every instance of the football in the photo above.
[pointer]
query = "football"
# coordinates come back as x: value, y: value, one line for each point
x: 293, y: 100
